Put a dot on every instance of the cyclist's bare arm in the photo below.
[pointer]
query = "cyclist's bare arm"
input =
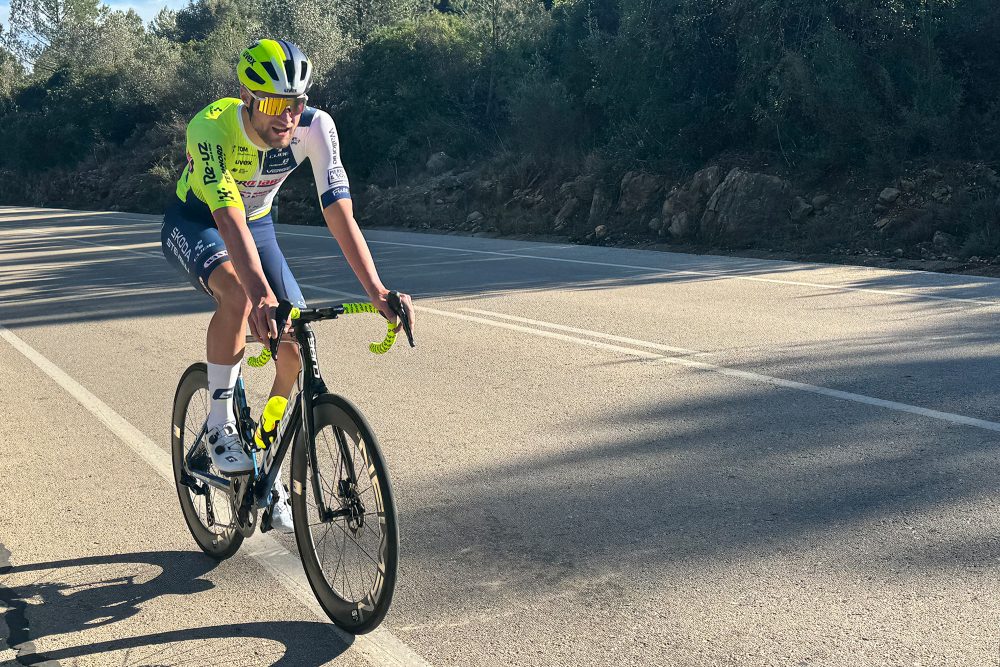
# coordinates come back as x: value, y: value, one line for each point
x: 339, y: 216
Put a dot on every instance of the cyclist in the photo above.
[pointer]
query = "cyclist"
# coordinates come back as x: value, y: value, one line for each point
x: 220, y: 234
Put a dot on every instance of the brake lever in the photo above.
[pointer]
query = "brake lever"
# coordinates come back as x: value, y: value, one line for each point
x: 280, y: 319
x: 397, y: 306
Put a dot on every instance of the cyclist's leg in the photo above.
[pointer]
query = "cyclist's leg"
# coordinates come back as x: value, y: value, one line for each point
x: 284, y: 286
x: 194, y: 246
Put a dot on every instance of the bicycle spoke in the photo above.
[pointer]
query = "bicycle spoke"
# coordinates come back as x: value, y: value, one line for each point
x: 346, y: 536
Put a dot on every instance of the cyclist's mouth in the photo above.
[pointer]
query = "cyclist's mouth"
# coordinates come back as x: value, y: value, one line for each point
x: 282, y: 133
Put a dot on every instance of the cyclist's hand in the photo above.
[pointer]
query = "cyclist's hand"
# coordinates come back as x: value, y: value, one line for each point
x: 261, y: 319
x: 382, y: 305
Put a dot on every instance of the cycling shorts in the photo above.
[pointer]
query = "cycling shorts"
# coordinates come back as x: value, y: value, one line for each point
x: 192, y: 244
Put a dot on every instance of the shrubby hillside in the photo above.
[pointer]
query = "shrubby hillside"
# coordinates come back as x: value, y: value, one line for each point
x: 813, y: 125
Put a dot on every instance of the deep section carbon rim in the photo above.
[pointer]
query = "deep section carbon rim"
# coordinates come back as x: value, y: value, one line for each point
x: 350, y: 555
x: 209, y: 513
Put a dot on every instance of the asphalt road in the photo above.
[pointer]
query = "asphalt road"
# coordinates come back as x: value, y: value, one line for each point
x: 600, y: 456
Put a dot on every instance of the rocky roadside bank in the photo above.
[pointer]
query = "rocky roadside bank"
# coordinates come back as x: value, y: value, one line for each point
x: 937, y: 218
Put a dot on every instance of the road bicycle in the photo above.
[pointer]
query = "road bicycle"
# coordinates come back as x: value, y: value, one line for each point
x: 341, y: 495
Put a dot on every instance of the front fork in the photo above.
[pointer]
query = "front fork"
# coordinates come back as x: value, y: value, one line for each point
x: 313, y: 387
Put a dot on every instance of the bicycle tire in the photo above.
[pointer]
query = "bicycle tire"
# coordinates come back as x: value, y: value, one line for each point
x: 356, y: 608
x: 187, y: 422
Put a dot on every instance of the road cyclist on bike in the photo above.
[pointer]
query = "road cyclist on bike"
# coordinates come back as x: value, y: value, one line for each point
x: 220, y: 234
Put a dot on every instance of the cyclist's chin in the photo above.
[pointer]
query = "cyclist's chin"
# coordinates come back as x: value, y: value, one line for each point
x: 275, y: 140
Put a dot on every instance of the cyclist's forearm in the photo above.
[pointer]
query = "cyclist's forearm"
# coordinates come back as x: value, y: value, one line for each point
x: 339, y: 218
x: 242, y: 252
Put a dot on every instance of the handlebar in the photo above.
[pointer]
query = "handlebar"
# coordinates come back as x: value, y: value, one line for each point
x: 286, y: 312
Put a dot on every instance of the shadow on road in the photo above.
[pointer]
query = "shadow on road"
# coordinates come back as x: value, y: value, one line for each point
x: 76, y: 596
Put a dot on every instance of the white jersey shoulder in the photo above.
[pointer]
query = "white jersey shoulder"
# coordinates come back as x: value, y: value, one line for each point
x: 314, y: 139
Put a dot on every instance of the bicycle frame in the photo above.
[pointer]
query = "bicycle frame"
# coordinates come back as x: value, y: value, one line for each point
x: 299, y: 419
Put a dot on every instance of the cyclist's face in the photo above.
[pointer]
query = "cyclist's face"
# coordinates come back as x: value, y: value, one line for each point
x: 275, y: 131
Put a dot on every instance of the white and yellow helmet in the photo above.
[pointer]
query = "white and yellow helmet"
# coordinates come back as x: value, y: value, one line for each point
x: 275, y: 67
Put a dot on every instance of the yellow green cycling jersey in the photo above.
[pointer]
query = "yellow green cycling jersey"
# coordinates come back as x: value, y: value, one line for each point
x: 225, y: 168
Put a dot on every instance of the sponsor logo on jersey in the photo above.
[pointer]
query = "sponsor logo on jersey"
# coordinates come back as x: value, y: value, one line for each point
x: 334, y: 175
x: 179, y: 244
x: 214, y: 258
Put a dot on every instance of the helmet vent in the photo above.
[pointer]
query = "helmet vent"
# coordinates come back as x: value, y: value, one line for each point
x: 269, y: 68
x: 304, y: 70
x: 253, y: 76
x: 290, y: 71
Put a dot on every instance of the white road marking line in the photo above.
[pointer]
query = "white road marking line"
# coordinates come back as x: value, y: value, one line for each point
x: 700, y: 365
x: 585, y: 332
x: 721, y: 275
x: 788, y: 384
x: 379, y: 647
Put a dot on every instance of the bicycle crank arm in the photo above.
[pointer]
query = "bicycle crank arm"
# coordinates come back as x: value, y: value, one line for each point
x: 220, y: 483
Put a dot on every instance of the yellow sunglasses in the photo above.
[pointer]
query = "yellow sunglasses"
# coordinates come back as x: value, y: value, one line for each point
x: 275, y: 106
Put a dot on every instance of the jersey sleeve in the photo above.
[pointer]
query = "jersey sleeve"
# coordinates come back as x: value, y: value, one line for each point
x: 208, y: 175
x: 323, y: 151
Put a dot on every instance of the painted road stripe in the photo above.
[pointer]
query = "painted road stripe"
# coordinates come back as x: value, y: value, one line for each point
x: 699, y: 365
x: 585, y: 332
x: 721, y: 275
x: 747, y: 375
x: 380, y: 647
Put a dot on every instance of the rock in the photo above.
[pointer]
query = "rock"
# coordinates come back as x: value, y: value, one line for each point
x: 474, y: 217
x: 466, y: 178
x: 680, y: 225
x: 880, y: 208
x: 638, y: 191
x: 689, y: 201
x: 600, y: 231
x: 438, y: 201
x: 943, y: 240
x: 910, y: 225
x: 908, y: 184
x: 888, y: 196
x: 599, y: 208
x: 933, y: 174
x: 898, y: 252
x: 566, y: 212
x: 744, y: 204
x: 654, y: 225
x: 567, y: 189
x: 584, y: 186
x: 801, y: 209
x: 439, y: 163
x: 941, y: 193
x: 819, y: 202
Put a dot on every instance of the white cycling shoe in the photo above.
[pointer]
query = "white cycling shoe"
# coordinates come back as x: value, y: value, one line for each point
x: 281, y: 513
x: 226, y: 450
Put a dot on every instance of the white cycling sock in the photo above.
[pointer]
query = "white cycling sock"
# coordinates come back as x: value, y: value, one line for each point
x: 221, y: 380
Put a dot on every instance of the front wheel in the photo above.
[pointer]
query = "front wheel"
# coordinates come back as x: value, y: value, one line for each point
x: 207, y: 510
x: 345, y: 517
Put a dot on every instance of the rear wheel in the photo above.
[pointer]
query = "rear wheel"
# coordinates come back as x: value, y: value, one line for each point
x: 207, y: 510
x: 349, y: 555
